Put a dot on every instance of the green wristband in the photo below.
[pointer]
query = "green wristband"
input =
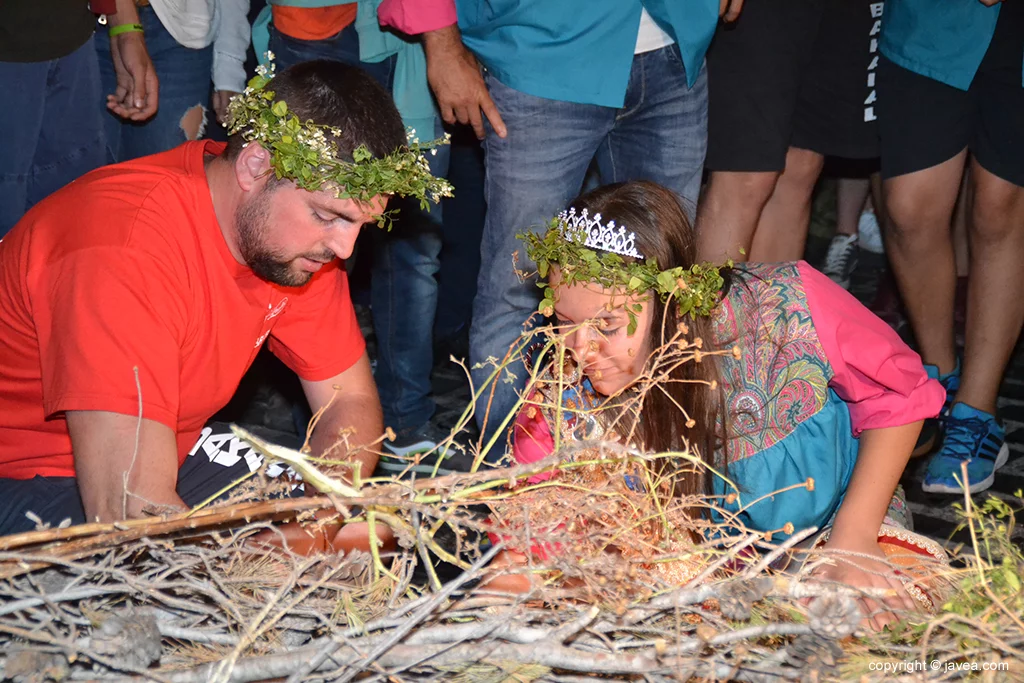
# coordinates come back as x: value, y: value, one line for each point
x: 125, y: 28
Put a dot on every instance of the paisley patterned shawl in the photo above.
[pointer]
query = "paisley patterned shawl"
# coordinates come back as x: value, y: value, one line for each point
x: 781, y: 378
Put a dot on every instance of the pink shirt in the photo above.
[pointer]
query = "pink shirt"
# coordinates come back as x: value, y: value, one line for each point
x: 417, y: 16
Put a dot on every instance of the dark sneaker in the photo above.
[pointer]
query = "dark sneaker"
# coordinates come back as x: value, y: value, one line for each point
x: 426, y: 452
x: 972, y: 436
x: 841, y: 260
x: 931, y: 431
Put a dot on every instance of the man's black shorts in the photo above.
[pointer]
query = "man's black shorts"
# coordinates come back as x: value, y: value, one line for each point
x: 795, y: 73
x: 218, y: 460
x: 924, y: 122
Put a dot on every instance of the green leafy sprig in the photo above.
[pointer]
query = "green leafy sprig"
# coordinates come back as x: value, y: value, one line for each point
x: 306, y: 153
x: 697, y: 289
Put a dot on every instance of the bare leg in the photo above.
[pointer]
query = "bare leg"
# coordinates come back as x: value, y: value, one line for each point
x: 920, y: 248
x: 960, y: 228
x: 876, y: 197
x: 995, y: 307
x: 782, y: 231
x: 729, y: 212
x: 851, y: 194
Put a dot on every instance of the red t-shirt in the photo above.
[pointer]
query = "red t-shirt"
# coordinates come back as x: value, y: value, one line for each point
x: 127, y: 267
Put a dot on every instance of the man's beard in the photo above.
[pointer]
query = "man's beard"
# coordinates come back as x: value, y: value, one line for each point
x: 252, y: 223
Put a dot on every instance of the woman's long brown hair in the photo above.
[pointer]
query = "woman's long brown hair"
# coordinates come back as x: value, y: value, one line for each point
x: 664, y: 233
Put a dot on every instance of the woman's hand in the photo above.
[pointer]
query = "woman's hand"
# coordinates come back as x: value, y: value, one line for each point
x: 860, y: 562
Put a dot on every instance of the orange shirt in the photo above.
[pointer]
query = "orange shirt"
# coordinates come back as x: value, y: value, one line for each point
x: 127, y: 267
x: 313, y: 23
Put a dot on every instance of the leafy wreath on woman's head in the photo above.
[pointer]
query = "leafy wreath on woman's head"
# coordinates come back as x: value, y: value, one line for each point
x: 697, y: 289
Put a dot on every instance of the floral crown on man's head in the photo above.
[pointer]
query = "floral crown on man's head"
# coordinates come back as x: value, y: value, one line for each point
x: 585, y: 249
x: 305, y: 153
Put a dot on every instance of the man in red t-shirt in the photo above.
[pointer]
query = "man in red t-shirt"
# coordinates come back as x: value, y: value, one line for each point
x: 133, y: 300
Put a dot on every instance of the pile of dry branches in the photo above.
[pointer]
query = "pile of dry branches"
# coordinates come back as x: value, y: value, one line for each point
x: 629, y: 590
x: 185, y: 598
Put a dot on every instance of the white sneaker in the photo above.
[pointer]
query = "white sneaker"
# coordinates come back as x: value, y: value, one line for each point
x: 870, y: 233
x: 841, y: 259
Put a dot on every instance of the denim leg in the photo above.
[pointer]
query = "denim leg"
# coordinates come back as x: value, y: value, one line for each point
x: 25, y: 87
x: 463, y: 225
x: 184, y: 76
x: 403, y: 292
x: 54, y: 133
x: 530, y: 175
x: 341, y: 47
x: 661, y: 132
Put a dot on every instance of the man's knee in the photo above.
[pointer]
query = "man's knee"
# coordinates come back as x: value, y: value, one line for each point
x: 916, y: 213
x: 802, y: 170
x: 997, y: 209
x: 747, y: 188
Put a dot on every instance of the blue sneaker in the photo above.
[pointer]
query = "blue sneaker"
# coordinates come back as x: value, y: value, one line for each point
x: 931, y: 432
x: 973, y: 436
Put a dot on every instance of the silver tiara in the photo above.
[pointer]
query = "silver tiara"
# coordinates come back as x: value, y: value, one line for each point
x: 595, y: 235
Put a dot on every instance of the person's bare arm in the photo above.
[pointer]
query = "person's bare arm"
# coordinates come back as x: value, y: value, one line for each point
x: 881, y: 460
x: 729, y: 10
x: 137, y: 94
x: 105, y: 451
x: 454, y: 76
x: 355, y: 410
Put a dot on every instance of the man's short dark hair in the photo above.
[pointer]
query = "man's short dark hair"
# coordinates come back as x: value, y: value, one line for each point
x: 345, y: 97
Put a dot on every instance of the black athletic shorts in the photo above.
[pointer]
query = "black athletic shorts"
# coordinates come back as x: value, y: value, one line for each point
x: 217, y: 460
x: 924, y: 122
x: 795, y: 73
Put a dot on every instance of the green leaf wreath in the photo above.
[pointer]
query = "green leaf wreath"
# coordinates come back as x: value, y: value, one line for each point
x: 697, y: 289
x: 306, y: 153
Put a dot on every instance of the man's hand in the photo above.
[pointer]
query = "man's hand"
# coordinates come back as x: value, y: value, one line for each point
x: 124, y: 465
x: 136, y: 97
x: 220, y: 104
x: 454, y: 76
x: 729, y: 10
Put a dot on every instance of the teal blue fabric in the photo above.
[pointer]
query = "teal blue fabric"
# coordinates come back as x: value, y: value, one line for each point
x: 944, y: 40
x: 261, y: 34
x: 578, y: 50
x: 821, y: 448
x: 410, y: 90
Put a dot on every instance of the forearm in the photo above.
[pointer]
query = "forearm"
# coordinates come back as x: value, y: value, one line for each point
x: 126, y: 13
x: 880, y: 463
x: 345, y: 433
x: 229, y: 47
x: 442, y: 42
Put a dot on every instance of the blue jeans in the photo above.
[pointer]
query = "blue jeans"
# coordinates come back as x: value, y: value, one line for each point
x: 403, y: 288
x: 53, y: 132
x: 184, y: 75
x: 659, y: 134
x: 463, y: 227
